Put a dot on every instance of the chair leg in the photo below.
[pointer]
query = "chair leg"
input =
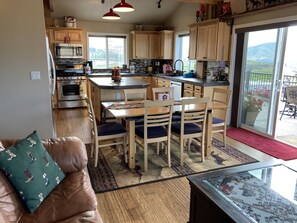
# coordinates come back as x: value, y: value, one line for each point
x: 168, y: 154
x: 202, y: 149
x: 181, y: 144
x: 145, y: 159
x: 96, y: 154
x: 224, y: 138
x: 283, y: 112
x: 158, y: 148
x: 125, y: 149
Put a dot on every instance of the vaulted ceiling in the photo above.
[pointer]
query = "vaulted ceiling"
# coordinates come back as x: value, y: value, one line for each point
x: 146, y: 11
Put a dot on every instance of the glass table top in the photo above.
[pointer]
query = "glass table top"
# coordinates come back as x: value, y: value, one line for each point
x: 262, y: 195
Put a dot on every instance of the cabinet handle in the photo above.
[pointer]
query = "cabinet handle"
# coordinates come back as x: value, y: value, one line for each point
x: 204, y: 57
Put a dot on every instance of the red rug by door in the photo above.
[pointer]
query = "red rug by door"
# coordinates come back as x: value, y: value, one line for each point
x: 269, y: 146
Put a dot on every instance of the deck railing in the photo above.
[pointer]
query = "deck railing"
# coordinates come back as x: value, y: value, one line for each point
x: 261, y: 81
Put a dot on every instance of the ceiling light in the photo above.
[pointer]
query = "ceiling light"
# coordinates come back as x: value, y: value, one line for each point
x: 123, y: 7
x: 111, y: 15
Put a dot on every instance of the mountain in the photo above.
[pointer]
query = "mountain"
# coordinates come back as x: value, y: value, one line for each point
x: 263, y: 53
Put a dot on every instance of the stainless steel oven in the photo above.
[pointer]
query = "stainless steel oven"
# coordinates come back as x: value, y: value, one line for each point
x: 71, y: 85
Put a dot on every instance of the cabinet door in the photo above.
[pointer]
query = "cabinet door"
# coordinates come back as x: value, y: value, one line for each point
x: 212, y: 40
x: 193, y: 43
x: 141, y: 46
x: 75, y: 36
x: 154, y: 45
x: 166, y: 38
x: 59, y: 35
x: 201, y: 53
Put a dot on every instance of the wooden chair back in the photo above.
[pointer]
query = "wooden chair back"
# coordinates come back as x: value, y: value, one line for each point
x: 135, y: 94
x: 163, y: 90
x: 152, y: 119
x: 223, y: 96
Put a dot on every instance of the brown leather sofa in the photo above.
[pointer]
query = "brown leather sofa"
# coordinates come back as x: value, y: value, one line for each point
x: 72, y: 201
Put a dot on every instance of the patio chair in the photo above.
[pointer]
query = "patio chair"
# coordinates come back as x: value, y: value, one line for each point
x: 291, y: 100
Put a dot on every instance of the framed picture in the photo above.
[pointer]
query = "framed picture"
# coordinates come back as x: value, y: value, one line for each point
x: 252, y: 5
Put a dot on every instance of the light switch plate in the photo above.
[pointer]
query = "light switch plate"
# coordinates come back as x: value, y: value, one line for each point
x: 35, y: 75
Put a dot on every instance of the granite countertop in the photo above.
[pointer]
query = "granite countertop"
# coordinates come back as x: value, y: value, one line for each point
x: 194, y: 81
x: 125, y: 83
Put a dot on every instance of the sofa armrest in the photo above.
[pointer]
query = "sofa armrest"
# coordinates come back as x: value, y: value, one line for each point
x: 69, y: 152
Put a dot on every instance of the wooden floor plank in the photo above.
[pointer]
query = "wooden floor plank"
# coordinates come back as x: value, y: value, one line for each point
x: 164, y: 201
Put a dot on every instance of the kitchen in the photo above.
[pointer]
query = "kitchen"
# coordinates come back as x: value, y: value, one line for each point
x: 156, y: 61
x: 25, y: 103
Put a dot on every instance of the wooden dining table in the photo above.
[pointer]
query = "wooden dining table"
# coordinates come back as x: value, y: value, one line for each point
x: 131, y: 110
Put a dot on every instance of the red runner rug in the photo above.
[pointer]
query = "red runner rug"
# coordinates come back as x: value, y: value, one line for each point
x: 269, y: 146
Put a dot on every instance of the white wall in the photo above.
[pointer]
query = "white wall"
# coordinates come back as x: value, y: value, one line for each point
x: 183, y: 16
x: 24, y: 104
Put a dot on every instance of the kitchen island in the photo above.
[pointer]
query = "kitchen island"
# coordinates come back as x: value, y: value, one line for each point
x: 102, y: 89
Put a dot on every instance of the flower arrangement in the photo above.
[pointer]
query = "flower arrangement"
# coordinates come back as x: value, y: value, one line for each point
x: 251, y: 103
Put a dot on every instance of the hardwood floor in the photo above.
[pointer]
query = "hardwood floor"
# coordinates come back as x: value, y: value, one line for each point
x: 164, y: 201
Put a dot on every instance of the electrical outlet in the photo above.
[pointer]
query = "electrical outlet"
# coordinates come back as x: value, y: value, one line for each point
x: 35, y: 75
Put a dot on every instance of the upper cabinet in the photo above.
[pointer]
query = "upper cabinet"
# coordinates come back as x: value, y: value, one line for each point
x: 59, y: 35
x: 152, y: 44
x: 63, y: 34
x: 210, y: 40
x: 166, y: 48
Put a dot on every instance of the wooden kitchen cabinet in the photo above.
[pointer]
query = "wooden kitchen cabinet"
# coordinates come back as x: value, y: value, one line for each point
x: 146, y: 45
x: 163, y: 82
x: 193, y: 42
x: 75, y: 35
x: 166, y: 48
x: 191, y: 90
x: 210, y: 41
x: 152, y: 44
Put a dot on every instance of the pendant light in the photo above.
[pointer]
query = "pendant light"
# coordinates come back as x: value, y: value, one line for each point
x: 123, y: 7
x: 111, y: 15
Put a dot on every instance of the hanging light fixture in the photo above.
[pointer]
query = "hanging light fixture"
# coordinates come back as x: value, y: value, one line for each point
x: 123, y: 6
x: 111, y: 15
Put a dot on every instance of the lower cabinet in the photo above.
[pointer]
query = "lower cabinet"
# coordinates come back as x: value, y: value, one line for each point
x: 191, y: 90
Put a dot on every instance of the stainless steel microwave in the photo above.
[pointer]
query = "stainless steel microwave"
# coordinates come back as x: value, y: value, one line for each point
x: 68, y: 50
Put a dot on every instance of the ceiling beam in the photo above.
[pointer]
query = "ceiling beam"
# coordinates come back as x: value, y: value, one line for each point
x: 211, y: 2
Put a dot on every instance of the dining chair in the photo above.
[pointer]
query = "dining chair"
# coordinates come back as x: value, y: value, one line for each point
x: 219, y: 120
x: 135, y: 94
x: 163, y: 90
x: 192, y: 124
x: 105, y: 135
x: 156, y: 128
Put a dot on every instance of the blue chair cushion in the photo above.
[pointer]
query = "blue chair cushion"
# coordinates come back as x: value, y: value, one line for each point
x: 189, y: 128
x: 217, y: 120
x: 110, y: 129
x: 152, y: 132
x: 176, y: 118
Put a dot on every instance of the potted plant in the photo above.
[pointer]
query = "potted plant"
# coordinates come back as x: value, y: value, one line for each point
x: 251, y: 107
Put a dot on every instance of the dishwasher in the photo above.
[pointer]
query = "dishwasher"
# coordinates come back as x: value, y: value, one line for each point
x: 177, y: 89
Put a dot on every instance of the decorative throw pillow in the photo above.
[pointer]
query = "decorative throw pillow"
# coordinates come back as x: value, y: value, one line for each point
x: 1, y: 146
x: 31, y: 170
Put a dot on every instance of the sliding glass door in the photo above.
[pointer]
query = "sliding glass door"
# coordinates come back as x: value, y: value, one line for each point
x: 261, y: 75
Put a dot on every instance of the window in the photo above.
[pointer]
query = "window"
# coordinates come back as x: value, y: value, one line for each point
x: 107, y: 51
x: 182, y: 52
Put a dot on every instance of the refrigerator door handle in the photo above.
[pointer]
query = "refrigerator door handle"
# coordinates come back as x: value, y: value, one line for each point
x: 53, y: 72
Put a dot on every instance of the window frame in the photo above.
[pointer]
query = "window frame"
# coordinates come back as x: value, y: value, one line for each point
x: 178, y: 50
x: 99, y: 34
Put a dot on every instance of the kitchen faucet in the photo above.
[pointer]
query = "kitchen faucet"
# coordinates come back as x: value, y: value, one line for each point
x: 174, y: 66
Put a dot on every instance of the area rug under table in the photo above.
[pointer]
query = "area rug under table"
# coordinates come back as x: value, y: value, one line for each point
x: 113, y: 173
